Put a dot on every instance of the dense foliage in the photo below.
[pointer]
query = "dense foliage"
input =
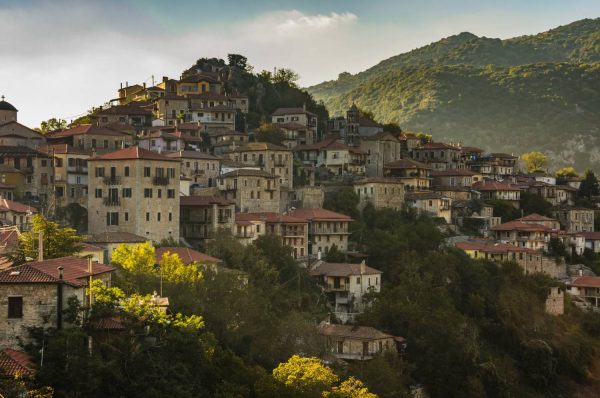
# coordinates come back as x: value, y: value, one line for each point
x: 500, y: 95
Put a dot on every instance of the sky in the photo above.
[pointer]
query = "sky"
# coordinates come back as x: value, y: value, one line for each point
x: 59, y: 58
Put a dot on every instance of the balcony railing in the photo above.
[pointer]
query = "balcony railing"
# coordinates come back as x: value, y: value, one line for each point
x: 111, y: 180
x: 77, y: 169
x: 111, y: 202
x: 340, y: 288
x: 244, y: 235
x: 224, y: 219
x: 160, y: 180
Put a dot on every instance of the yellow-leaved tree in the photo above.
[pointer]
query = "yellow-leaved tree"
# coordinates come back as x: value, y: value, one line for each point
x: 535, y: 161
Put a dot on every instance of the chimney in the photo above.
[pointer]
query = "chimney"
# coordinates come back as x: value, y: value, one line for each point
x: 304, y: 106
x: 144, y: 84
x: 363, y: 267
x: 41, y: 246
x: 319, y: 254
x: 59, y: 299
x: 126, y: 84
x: 165, y: 78
x: 580, y: 271
x: 121, y: 85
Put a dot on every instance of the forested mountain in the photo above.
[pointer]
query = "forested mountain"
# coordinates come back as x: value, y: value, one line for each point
x: 540, y: 91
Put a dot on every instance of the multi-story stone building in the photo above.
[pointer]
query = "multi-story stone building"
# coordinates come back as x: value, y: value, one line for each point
x: 37, y: 169
x: 136, y: 114
x: 292, y: 231
x: 518, y: 233
x: 432, y: 203
x: 380, y: 192
x: 414, y: 175
x: 171, y: 109
x: 202, y: 216
x: 89, y: 137
x: 13, y: 133
x: 35, y: 294
x: 494, y: 165
x: 336, y: 157
x: 251, y: 190
x: 134, y: 190
x: 16, y: 214
x: 12, y: 182
x: 501, y: 190
x: 300, y: 116
x: 454, y: 178
x: 575, y: 219
x: 274, y: 159
x: 325, y: 229
x: 70, y: 174
x: 439, y: 156
x: 381, y: 148
x: 203, y: 168
x: 358, y: 343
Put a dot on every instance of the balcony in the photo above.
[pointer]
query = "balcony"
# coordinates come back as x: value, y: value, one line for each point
x: 111, y: 180
x: 111, y: 202
x: 280, y: 163
x: 245, y: 235
x: 160, y: 180
x: 339, y: 288
x: 224, y: 219
x: 77, y: 169
x: 26, y: 170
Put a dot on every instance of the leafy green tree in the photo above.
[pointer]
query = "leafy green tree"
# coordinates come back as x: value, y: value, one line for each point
x: 285, y: 76
x: 57, y: 241
x: 269, y: 133
x: 393, y: 128
x: 52, y: 124
x: 343, y: 200
x: 239, y: 61
x: 589, y: 186
x: 504, y: 209
x: 334, y: 255
x: 535, y: 161
x: 532, y: 203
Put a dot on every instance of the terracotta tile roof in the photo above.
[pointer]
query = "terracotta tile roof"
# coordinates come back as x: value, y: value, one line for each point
x: 261, y: 146
x: 128, y: 109
x: 368, y: 122
x: 341, y: 269
x: 186, y: 255
x: 192, y: 155
x: 186, y: 137
x: 9, y: 240
x: 16, y: 207
x: 132, y: 153
x: 381, y: 136
x: 378, y: 180
x: 493, y: 247
x: 269, y: 217
x: 112, y: 323
x: 353, y: 332
x: 116, y: 237
x: 291, y: 126
x: 489, y: 185
x: 520, y: 226
x: 291, y: 111
x: 13, y: 362
x: 590, y: 235
x: 10, y: 150
x: 437, y: 145
x: 75, y: 269
x: 452, y: 173
x: 89, y: 247
x: 61, y: 149
x: 7, y: 169
x: 536, y: 217
x: 197, y: 200
x: 586, y: 281
x: 85, y: 129
x: 319, y: 214
x: 329, y: 144
x: 248, y: 173
x: 406, y: 164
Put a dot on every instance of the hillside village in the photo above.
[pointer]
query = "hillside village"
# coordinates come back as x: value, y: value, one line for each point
x: 177, y: 165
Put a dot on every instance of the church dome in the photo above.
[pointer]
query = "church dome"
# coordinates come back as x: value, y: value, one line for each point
x: 6, y: 106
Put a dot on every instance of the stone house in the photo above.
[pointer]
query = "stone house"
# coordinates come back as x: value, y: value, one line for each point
x: 236, y: 139
x: 345, y: 286
x: 380, y: 192
x: 136, y: 114
x: 555, y: 301
x: 109, y: 241
x: 251, y: 190
x: 408, y: 142
x: 414, y: 175
x: 454, y: 178
x: 535, y: 218
x: 134, y: 190
x: 70, y: 174
x: 37, y: 168
x: 203, y: 168
x: 586, y: 289
x: 575, y: 219
x: 202, y: 216
x: 332, y: 155
x: 16, y: 214
x: 438, y: 155
x: 292, y: 231
x: 295, y: 134
x: 300, y: 116
x: 308, y: 197
x: 12, y: 182
x: 13, y: 133
x: 248, y: 230
x: 274, y: 159
x: 518, y: 233
x: 592, y: 241
x: 381, y: 148
x: 501, y: 190
x: 171, y: 109
x: 358, y: 343
x: 565, y: 194
x: 34, y: 294
x: 325, y: 229
x: 89, y: 137
x: 432, y: 203
x: 218, y: 117
x: 494, y: 165
x: 198, y: 83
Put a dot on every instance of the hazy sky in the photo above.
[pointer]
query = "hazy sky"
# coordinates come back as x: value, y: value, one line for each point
x: 59, y: 58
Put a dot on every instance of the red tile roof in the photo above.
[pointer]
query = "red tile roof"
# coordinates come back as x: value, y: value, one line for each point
x: 85, y: 129
x: 452, y: 172
x: 520, y: 226
x: 329, y: 144
x: 342, y: 269
x: 132, y: 153
x: 192, y: 155
x: 536, y: 217
x: 9, y: 239
x: 128, y: 109
x: 354, y: 332
x: 319, y: 214
x: 186, y: 255
x: 406, y: 164
x: 490, y: 185
x: 586, y: 281
x: 196, y: 200
x: 291, y: 111
x: 63, y: 149
x: 13, y: 362
x: 75, y: 271
x: 9, y: 205
x: 269, y: 217
x: 492, y: 247
x: 438, y: 145
x: 590, y: 235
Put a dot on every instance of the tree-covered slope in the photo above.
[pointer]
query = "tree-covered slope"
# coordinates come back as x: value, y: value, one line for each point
x: 530, y: 92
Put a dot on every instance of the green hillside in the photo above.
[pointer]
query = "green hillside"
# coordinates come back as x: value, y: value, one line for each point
x: 540, y: 91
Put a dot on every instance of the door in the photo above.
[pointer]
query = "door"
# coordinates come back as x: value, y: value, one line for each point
x: 365, y: 348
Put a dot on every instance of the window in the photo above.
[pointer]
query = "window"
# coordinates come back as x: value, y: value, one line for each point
x: 126, y: 216
x: 44, y: 162
x: 99, y: 171
x: 158, y: 217
x: 170, y: 216
x: 126, y: 171
x: 127, y: 192
x: 358, y: 280
x: 15, y: 307
x: 147, y: 216
x: 106, y: 144
x: 340, y: 347
x: 98, y: 192
x: 94, y: 143
x: 159, y: 194
x: 170, y: 193
x: 146, y: 171
x: 112, y: 218
x: 147, y: 192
